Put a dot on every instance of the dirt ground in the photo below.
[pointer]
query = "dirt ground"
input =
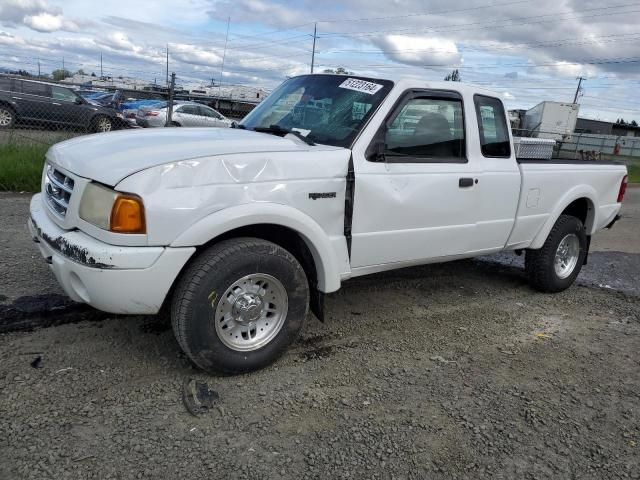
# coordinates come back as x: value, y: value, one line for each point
x: 447, y: 371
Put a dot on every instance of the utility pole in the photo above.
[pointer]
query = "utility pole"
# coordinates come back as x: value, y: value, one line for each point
x: 63, y: 66
x: 224, y: 55
x: 167, y: 65
x: 170, y: 106
x: 38, y: 68
x: 313, y: 52
x: 580, y: 79
x: 101, y: 75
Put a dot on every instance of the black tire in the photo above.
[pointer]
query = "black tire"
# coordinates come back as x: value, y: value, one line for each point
x: 97, y: 124
x: 175, y: 124
x: 539, y: 264
x: 201, y: 287
x: 7, y: 117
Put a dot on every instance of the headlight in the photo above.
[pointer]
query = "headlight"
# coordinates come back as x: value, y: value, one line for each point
x: 110, y: 210
x: 119, y: 115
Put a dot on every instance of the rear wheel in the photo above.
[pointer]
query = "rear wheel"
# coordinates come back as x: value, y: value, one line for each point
x: 556, y: 265
x: 239, y: 305
x: 7, y: 117
x: 102, y: 124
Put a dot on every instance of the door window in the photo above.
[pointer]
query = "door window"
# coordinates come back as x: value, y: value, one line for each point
x: 427, y: 130
x: 64, y: 94
x: 492, y: 122
x: 32, y: 88
x: 208, y: 112
x: 189, y: 109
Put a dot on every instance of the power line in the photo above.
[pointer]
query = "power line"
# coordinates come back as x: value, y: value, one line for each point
x: 495, y: 46
x: 294, y: 28
x: 409, y: 15
x: 490, y: 24
x: 620, y: 60
x: 280, y: 41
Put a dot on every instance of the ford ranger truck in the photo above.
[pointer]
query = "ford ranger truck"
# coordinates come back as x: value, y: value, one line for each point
x: 239, y: 232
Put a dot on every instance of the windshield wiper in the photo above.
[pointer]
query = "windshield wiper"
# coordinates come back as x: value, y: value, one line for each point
x: 278, y: 130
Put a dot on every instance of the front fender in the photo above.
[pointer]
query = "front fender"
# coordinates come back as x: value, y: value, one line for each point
x: 326, y: 251
x: 580, y: 191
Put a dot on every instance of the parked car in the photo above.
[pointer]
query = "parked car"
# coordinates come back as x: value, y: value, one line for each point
x: 130, y: 109
x: 185, y: 114
x: 48, y: 104
x: 239, y: 232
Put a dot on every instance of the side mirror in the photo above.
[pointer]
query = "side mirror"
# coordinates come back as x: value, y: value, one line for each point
x: 79, y: 101
x: 375, y: 152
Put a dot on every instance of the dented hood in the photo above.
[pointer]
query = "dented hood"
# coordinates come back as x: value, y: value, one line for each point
x: 110, y: 157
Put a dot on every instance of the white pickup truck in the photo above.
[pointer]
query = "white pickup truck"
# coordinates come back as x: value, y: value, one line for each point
x: 239, y: 232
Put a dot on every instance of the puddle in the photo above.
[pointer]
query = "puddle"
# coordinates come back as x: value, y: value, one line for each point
x: 38, y: 311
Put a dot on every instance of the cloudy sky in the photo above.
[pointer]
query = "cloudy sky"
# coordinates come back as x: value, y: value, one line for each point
x: 528, y: 51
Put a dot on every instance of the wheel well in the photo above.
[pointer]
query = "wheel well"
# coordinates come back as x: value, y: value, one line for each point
x: 9, y: 106
x: 285, y: 237
x: 582, y: 209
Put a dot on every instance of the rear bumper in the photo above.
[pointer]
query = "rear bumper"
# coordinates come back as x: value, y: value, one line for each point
x: 116, y: 279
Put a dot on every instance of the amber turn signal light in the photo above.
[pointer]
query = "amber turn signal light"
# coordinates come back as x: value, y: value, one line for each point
x: 127, y: 215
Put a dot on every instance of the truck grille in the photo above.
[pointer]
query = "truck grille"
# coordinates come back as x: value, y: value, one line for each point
x: 58, y: 189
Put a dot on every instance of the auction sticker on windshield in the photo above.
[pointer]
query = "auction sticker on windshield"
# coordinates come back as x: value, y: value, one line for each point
x: 361, y: 86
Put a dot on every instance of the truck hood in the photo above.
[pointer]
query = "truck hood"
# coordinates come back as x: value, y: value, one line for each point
x: 111, y: 157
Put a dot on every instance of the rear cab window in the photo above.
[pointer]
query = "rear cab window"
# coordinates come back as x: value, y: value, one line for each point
x: 493, y: 129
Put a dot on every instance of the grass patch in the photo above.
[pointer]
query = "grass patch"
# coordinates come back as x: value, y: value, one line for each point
x: 21, y: 167
x: 634, y: 172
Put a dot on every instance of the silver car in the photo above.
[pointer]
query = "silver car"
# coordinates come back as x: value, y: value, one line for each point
x: 185, y: 114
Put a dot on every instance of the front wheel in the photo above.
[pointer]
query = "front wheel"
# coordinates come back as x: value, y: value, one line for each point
x: 239, y: 305
x: 556, y: 265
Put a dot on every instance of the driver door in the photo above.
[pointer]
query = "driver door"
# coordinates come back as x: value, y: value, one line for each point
x: 416, y: 190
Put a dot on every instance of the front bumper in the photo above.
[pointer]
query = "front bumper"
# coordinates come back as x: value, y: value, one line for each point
x: 116, y: 279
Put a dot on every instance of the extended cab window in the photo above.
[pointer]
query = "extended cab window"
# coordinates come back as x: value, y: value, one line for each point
x: 494, y: 136
x: 427, y: 130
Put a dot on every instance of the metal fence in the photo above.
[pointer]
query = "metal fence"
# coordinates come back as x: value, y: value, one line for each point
x: 588, y: 146
x: 580, y: 145
x: 44, y: 112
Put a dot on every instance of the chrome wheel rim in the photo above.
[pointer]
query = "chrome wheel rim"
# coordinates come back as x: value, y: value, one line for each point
x: 104, y: 125
x: 251, y: 312
x: 567, y: 255
x: 5, y: 117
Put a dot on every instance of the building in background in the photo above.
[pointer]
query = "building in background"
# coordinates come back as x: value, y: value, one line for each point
x: 600, y: 127
x: 124, y: 83
x: 232, y: 92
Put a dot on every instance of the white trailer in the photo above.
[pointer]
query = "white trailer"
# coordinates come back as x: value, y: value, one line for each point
x: 554, y: 120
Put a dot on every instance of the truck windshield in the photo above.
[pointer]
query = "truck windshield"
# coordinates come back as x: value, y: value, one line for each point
x: 327, y: 109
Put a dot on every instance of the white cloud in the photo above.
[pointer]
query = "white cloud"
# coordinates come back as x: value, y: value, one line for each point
x: 46, y: 22
x: 419, y: 50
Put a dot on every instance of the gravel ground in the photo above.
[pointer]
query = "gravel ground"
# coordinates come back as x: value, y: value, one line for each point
x: 447, y: 371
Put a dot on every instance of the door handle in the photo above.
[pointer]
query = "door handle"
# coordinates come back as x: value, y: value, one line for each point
x: 466, y: 182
